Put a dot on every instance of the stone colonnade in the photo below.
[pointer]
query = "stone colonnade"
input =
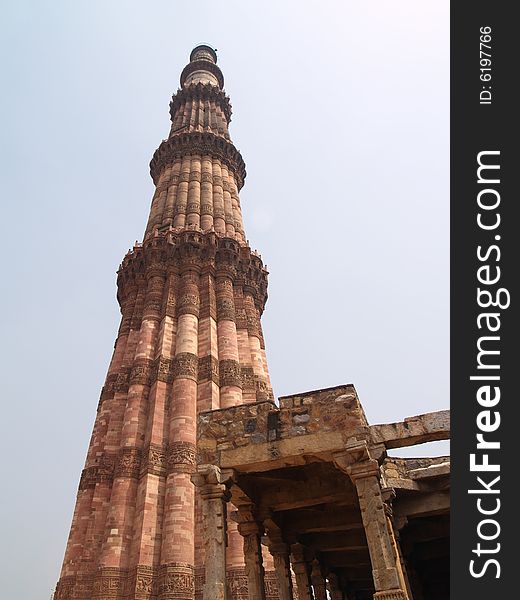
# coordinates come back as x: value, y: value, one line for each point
x: 312, y: 581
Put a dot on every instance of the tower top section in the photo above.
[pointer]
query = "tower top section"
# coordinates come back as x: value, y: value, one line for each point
x: 204, y: 52
x: 197, y: 170
x: 202, y: 68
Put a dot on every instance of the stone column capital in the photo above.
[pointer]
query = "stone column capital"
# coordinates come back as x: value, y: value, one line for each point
x: 357, y: 461
x: 299, y: 553
x: 248, y: 523
x: 212, y: 482
x: 276, y: 543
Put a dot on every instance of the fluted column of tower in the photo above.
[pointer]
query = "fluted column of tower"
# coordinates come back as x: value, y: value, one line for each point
x: 191, y: 297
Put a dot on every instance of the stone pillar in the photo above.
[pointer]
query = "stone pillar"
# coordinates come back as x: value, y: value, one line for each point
x: 335, y: 587
x: 363, y: 470
x: 251, y: 531
x: 388, y: 496
x: 318, y: 581
x: 301, y: 572
x: 282, y: 566
x: 214, y: 495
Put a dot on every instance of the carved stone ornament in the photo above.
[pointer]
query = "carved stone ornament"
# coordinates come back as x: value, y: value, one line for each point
x: 102, y: 472
x: 229, y: 371
x: 247, y: 376
x: 109, y: 583
x: 176, y: 581
x: 237, y: 584
x: 141, y: 373
x: 164, y: 369
x: 154, y: 461
x: 185, y: 365
x: 188, y: 304
x: 208, y: 369
x: 356, y: 460
x: 129, y: 463
x: 225, y: 309
x: 122, y: 382
x: 391, y: 595
x: 181, y: 457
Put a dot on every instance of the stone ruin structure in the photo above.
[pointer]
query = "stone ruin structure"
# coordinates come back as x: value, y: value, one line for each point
x: 311, y: 480
x: 197, y: 485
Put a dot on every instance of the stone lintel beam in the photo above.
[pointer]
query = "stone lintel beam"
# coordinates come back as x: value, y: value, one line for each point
x: 399, y: 483
x: 431, y: 471
x: 261, y: 436
x: 343, y: 559
x: 322, y: 521
x: 329, y: 542
x: 422, y: 504
x: 295, y: 451
x: 428, y: 427
x: 309, y: 492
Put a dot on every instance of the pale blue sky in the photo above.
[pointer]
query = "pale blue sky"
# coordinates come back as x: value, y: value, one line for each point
x: 341, y: 111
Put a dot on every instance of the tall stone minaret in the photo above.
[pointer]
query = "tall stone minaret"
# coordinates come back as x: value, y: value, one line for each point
x: 191, y: 297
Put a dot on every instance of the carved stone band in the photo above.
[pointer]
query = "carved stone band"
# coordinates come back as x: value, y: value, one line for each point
x: 229, y: 373
x: 176, y: 581
x: 188, y: 304
x: 226, y: 309
x: 391, y: 595
x: 141, y: 372
x: 208, y: 369
x: 198, y: 143
x: 129, y: 463
x: 182, y: 457
x: 185, y: 365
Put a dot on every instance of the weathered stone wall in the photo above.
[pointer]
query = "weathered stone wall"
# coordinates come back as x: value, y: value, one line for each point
x: 328, y: 417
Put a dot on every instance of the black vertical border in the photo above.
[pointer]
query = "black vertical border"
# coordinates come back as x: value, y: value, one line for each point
x: 478, y: 127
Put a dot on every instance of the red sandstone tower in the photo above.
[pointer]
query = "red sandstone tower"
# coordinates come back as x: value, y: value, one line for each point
x: 190, y: 340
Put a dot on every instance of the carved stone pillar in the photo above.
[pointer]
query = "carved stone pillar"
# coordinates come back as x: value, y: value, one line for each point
x: 214, y: 496
x: 301, y: 572
x: 363, y: 470
x: 251, y: 531
x: 318, y: 581
x: 335, y: 587
x: 282, y: 566
x: 388, y: 495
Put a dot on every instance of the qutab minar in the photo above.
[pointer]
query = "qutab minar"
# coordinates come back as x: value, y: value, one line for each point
x: 197, y: 485
x: 190, y: 340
